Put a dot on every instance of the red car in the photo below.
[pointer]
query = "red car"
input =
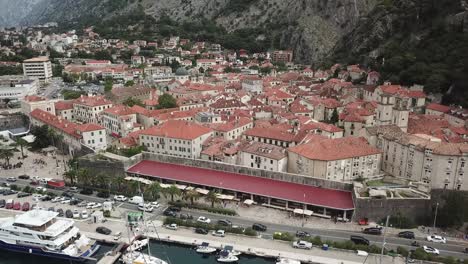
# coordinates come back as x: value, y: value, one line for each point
x: 363, y: 221
x: 9, y: 204
x: 25, y: 207
x: 17, y: 206
x: 33, y: 182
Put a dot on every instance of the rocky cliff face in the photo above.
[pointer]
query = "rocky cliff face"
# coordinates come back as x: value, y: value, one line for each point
x: 310, y: 27
x: 13, y: 12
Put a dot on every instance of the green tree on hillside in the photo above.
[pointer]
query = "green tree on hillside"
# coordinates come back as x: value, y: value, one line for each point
x: 167, y: 101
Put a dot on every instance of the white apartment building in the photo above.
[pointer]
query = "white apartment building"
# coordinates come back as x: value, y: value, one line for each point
x: 206, y: 63
x: 342, y: 159
x: 15, y: 87
x: 119, y: 120
x: 87, y: 109
x: 75, y: 136
x: 421, y: 158
x: 40, y: 68
x: 64, y: 109
x: 263, y: 156
x: 175, y: 137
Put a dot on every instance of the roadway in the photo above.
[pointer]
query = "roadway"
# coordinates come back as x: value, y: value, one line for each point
x: 452, y: 248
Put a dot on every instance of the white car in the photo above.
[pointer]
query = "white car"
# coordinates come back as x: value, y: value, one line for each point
x: 117, y: 235
x: 302, y: 244
x: 155, y: 204
x: 172, y: 226
x: 41, y: 189
x: 65, y: 201
x: 362, y: 253
x: 203, y: 219
x: 56, y: 199
x: 76, y: 214
x: 431, y: 250
x: 84, y: 214
x: 120, y: 198
x: 145, y: 208
x: 82, y: 204
x: 218, y: 233
x: 436, y: 239
x: 93, y: 205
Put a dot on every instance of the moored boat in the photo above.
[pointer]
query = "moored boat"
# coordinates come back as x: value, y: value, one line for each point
x: 205, y: 248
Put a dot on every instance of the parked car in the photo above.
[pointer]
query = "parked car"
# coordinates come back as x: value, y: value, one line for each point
x: 17, y: 206
x: 25, y: 207
x: 302, y: 234
x: 406, y: 234
x: 65, y: 201
x: 9, y: 204
x: 2, y: 203
x: 431, y: 250
x: 175, y: 208
x: 219, y: 233
x: 5, y: 184
x: 11, y: 179
x: 372, y: 231
x: 69, y: 213
x: 259, y: 227
x: 23, y: 194
x: 224, y: 222
x: 170, y: 213
x: 34, y: 182
x: 103, y: 230
x: 202, y: 231
x: 75, y: 201
x: 360, y: 240
x: 82, y: 204
x: 120, y: 198
x: 84, y: 214
x: 76, y: 214
x: 46, y: 198
x: 23, y: 177
x: 73, y: 189
x: 60, y: 212
x: 68, y: 194
x: 93, y: 205
x: 436, y: 239
x: 9, y: 192
x: 171, y: 226
x: 155, y: 204
x: 203, y: 219
x: 302, y: 244
x: 41, y: 189
x: 117, y: 235
x: 51, y: 209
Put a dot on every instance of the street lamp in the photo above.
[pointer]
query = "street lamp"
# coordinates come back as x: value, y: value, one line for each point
x: 435, y: 215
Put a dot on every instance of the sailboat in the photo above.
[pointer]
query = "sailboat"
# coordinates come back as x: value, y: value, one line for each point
x: 133, y: 256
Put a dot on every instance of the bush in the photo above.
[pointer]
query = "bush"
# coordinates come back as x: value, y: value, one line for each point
x: 103, y: 194
x: 107, y: 213
x: 216, y: 210
x: 402, y: 251
x: 28, y: 189
x: 283, y: 236
x: 14, y: 187
x: 195, y: 224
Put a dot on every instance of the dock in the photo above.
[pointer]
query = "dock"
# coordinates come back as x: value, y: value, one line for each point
x: 111, y: 256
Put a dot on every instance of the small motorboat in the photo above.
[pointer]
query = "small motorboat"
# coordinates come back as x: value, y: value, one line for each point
x: 287, y: 261
x: 205, y: 248
x: 227, y: 257
x: 140, y: 258
x: 138, y: 244
x: 231, y: 250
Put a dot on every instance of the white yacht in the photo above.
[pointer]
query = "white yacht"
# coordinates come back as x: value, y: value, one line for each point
x: 287, y: 261
x: 205, y: 248
x: 43, y: 233
x: 227, y: 257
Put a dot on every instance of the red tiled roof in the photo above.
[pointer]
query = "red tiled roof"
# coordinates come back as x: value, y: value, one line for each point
x: 34, y: 98
x: 92, y: 101
x: 272, y: 133
x: 335, y: 149
x: 438, y: 107
x: 329, y: 198
x: 177, y: 129
x: 89, y: 127
x: 120, y: 110
x: 64, y: 105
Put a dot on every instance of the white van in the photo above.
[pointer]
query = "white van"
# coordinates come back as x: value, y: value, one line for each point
x: 136, y: 200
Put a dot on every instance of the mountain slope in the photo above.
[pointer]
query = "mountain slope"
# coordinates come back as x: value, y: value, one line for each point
x: 310, y: 28
x: 13, y: 12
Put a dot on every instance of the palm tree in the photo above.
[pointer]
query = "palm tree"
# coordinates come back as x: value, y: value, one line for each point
x: 22, y: 143
x: 191, y: 195
x: 134, y: 187
x: 172, y: 191
x: 52, y: 135
x: 212, y: 196
x: 118, y: 182
x: 71, y: 175
x: 153, y: 190
x: 102, y: 180
x: 6, y: 154
x: 83, y: 177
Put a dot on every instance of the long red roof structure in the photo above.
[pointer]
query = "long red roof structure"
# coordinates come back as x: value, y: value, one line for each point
x: 317, y: 196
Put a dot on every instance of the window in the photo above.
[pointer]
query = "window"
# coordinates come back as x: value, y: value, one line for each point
x: 271, y: 161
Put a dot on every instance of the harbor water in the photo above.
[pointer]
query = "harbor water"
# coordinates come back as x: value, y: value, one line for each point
x: 171, y: 253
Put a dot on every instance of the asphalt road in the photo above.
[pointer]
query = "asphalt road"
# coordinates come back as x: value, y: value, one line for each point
x: 454, y: 249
